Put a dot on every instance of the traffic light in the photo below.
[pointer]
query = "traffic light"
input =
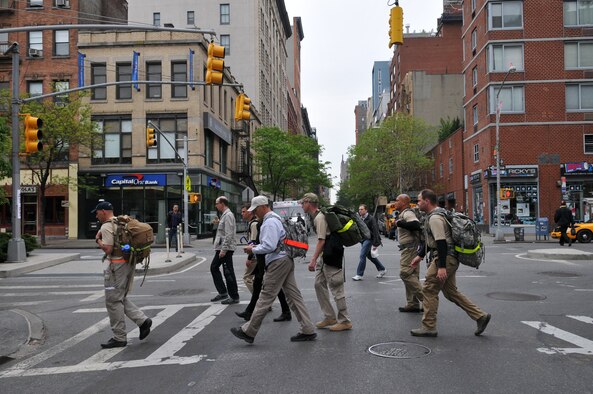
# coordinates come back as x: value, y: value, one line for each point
x: 396, y: 26
x: 242, y: 107
x: 195, y: 198
x: 33, y: 134
x: 215, y: 64
x: 507, y: 193
x: 150, y: 137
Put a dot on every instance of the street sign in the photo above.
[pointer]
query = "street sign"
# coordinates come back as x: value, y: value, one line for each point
x: 188, y: 183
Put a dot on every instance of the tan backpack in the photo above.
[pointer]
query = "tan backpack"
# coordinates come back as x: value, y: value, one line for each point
x: 133, y: 238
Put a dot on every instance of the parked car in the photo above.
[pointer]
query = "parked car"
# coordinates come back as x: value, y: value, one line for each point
x: 583, y: 232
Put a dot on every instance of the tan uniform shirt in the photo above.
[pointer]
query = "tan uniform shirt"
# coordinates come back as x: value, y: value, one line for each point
x: 320, y: 224
x: 439, y: 229
x: 406, y: 236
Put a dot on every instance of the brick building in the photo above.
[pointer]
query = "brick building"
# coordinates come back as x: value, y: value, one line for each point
x: 546, y: 132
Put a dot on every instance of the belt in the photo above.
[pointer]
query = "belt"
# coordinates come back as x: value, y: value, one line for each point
x: 410, y: 245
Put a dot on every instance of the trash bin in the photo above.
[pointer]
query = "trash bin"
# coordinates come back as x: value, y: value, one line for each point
x: 519, y: 233
x: 542, y: 228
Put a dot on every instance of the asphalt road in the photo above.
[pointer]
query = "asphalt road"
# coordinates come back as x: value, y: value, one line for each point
x: 540, y: 338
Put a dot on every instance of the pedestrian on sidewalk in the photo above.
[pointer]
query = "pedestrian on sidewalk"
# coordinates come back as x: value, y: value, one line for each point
x: 224, y: 245
x: 327, y: 263
x: 173, y: 220
x: 119, y: 276
x: 564, y: 219
x: 368, y: 244
x: 279, y: 274
x: 440, y: 275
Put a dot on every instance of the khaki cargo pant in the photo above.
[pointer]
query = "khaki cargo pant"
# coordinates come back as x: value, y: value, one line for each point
x: 332, y: 278
x: 411, y: 278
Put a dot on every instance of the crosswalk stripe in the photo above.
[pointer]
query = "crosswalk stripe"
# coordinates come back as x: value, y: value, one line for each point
x: 585, y: 346
x: 49, y: 287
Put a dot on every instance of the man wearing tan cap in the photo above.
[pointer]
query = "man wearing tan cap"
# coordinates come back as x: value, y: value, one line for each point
x: 327, y: 264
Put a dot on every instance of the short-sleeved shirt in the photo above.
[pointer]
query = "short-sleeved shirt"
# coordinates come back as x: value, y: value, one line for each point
x: 320, y: 224
x: 404, y: 235
x: 439, y: 229
x: 107, y: 236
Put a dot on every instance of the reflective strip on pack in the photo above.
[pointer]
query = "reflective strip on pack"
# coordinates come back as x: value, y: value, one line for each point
x: 459, y: 249
x: 347, y: 226
x: 296, y: 244
x: 118, y: 261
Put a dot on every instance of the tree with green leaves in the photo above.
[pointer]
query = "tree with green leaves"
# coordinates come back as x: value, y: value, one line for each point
x: 448, y: 127
x: 5, y: 155
x: 66, y: 124
x: 287, y: 164
x: 391, y: 159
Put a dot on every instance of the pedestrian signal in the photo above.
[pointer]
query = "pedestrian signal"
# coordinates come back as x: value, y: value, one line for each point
x: 396, y: 26
x: 215, y: 64
x: 507, y: 193
x: 195, y: 198
x: 33, y: 134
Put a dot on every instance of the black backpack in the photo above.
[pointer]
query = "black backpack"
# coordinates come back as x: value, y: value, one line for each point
x: 346, y: 224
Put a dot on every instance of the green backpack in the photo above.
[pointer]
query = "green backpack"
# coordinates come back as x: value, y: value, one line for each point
x: 346, y: 224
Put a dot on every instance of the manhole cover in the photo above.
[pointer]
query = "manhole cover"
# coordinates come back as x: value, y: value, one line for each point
x: 515, y: 296
x: 399, y: 350
x: 559, y: 274
x: 181, y: 292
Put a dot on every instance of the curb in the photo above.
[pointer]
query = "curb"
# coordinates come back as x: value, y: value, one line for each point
x: 175, y: 265
x: 559, y: 254
x: 36, y: 326
x: 17, y: 269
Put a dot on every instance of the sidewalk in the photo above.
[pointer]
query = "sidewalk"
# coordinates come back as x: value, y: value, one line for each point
x: 40, y: 259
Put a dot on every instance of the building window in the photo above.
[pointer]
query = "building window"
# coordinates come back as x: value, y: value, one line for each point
x: 60, y: 86
x: 505, y: 15
x: 35, y: 88
x: 36, y: 40
x: 154, y: 73
x: 476, y: 153
x: 475, y: 115
x: 54, y: 212
x: 3, y: 42
x: 179, y: 73
x: 98, y: 75
x: 209, y: 149
x: 123, y: 73
x: 475, y: 76
x: 450, y: 165
x: 502, y: 56
x: 191, y: 18
x: 440, y: 170
x: 588, y: 143
x: 225, y: 41
x: 173, y: 127
x: 223, y: 156
x: 225, y: 14
x: 512, y: 99
x: 578, y: 55
x: 156, y: 18
x: 35, y: 3
x: 578, y: 12
x: 61, y: 43
x: 474, y: 40
x: 116, y: 133
x: 579, y: 97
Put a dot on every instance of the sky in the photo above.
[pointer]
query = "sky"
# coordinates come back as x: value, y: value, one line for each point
x: 342, y: 40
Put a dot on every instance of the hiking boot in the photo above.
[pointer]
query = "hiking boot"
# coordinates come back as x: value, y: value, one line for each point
x: 300, y: 337
x: 410, y: 309
x: 326, y: 323
x: 381, y: 274
x: 422, y: 332
x: 341, y: 326
x: 244, y: 315
x: 230, y: 301
x: 284, y: 317
x: 145, y: 328
x: 482, y: 323
x: 357, y: 277
x: 113, y: 343
x: 220, y: 297
x: 238, y: 332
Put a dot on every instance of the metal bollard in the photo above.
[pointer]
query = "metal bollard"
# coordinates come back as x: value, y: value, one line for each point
x: 179, y: 240
x: 167, y: 232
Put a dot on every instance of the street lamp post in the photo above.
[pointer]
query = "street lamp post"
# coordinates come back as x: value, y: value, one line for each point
x: 499, y: 233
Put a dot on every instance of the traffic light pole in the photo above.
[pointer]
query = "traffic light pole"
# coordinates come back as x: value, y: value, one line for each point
x: 17, y: 252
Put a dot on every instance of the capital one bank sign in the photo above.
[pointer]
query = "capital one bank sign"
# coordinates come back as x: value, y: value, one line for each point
x: 135, y: 180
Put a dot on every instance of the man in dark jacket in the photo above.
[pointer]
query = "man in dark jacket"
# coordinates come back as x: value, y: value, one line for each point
x: 564, y: 219
x: 173, y: 220
x: 368, y: 244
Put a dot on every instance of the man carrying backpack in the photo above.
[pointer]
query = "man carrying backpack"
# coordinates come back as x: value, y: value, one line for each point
x: 279, y: 275
x: 119, y: 276
x: 327, y: 264
x: 440, y: 275
x: 408, y: 234
x: 366, y: 245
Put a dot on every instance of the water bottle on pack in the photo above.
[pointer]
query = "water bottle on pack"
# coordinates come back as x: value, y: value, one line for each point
x: 126, y: 249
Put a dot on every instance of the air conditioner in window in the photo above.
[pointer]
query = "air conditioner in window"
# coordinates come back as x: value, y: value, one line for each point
x: 35, y: 52
x: 62, y: 3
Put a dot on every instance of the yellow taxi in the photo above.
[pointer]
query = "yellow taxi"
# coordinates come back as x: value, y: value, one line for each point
x: 583, y: 232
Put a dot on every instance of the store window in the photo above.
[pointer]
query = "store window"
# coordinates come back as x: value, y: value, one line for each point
x: 54, y: 212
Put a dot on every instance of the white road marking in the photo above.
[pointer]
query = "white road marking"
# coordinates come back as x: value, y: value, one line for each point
x: 584, y: 319
x: 11, y: 304
x: 49, y: 287
x: 94, y: 297
x: 584, y: 346
x: 45, y: 294
x: 164, y: 355
x: 522, y: 256
x: 583, y: 289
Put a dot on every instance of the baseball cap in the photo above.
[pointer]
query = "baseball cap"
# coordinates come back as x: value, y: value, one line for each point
x: 105, y: 205
x: 258, y: 201
x: 309, y: 197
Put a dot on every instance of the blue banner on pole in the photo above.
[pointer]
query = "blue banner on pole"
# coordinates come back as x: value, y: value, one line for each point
x: 135, y: 70
x: 81, y: 57
x: 191, y: 68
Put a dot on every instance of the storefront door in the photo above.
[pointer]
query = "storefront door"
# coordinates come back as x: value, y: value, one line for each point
x: 29, y: 214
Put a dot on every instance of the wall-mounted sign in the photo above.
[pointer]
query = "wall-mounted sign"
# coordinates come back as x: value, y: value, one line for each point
x: 214, y: 182
x: 573, y: 169
x: 135, y: 180
x: 29, y: 189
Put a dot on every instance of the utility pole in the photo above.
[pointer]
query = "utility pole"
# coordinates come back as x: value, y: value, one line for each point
x: 17, y: 252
